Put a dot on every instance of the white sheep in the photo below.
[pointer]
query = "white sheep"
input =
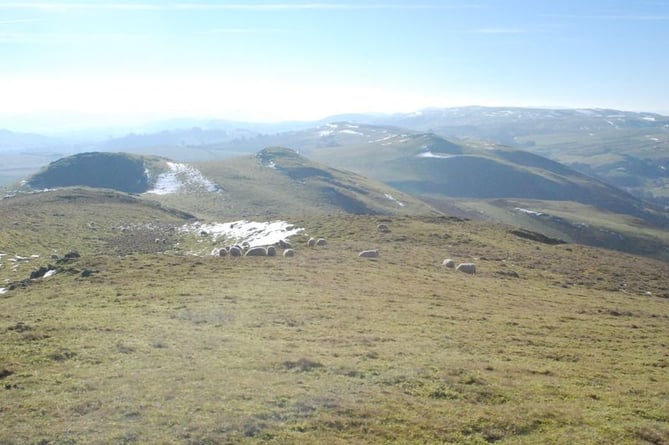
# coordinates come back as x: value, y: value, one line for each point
x: 469, y: 268
x: 448, y: 263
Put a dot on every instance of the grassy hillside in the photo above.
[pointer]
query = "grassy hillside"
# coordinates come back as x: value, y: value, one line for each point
x: 278, y: 181
x: 569, y: 221
x: 425, y: 164
x: 77, y: 218
x: 545, y: 344
x: 272, y: 182
x: 626, y: 149
x: 118, y: 171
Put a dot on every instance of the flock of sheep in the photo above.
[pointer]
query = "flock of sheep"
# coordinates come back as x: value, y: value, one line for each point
x: 245, y: 249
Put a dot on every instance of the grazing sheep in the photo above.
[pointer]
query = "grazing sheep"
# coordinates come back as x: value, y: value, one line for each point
x: 271, y: 251
x: 289, y: 253
x: 448, y: 263
x: 283, y: 244
x: 311, y: 242
x: 235, y: 251
x: 223, y: 251
x: 469, y: 268
x: 369, y: 253
x: 321, y: 242
x: 256, y: 251
x: 383, y: 228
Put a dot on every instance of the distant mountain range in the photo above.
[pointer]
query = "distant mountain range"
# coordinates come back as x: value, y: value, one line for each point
x: 626, y: 149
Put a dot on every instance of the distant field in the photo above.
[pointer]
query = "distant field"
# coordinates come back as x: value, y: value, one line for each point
x: 162, y: 343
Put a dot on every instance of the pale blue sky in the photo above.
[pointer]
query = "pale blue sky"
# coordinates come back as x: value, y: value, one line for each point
x: 273, y: 60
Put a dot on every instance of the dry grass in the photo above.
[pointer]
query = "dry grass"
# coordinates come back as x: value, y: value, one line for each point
x: 326, y: 347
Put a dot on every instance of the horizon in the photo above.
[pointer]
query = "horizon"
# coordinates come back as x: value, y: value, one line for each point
x: 272, y: 61
x: 68, y: 122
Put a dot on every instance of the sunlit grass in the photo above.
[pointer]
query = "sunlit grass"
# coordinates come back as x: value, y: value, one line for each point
x: 326, y: 347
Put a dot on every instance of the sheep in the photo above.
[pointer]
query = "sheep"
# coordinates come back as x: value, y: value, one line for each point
x: 369, y: 253
x: 235, y: 251
x: 271, y: 251
x: 311, y: 242
x: 289, y: 253
x: 469, y: 268
x: 383, y: 228
x: 223, y: 251
x: 283, y: 244
x: 448, y: 263
x: 256, y: 251
x: 321, y: 242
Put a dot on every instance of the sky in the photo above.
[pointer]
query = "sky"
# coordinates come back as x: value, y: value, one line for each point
x: 271, y: 60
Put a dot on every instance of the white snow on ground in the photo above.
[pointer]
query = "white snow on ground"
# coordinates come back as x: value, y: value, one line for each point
x: 49, y: 273
x: 382, y: 139
x: 429, y: 154
x: 648, y: 118
x: 389, y: 196
x: 179, y: 176
x: 529, y: 212
x: 252, y: 232
x: 3, y: 290
x: 351, y: 132
x: 329, y: 131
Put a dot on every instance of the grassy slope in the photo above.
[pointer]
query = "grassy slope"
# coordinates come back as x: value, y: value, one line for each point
x: 566, y: 220
x: 471, y: 171
x: 167, y: 347
x: 294, y: 187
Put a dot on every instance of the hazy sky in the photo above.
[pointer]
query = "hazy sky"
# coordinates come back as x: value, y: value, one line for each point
x: 271, y: 60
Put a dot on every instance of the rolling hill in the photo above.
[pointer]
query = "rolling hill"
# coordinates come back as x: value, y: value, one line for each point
x: 426, y: 164
x: 486, y: 181
x: 274, y: 181
x: 134, y: 341
x: 626, y: 149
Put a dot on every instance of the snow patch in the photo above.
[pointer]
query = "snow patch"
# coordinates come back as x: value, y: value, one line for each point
x: 3, y: 290
x: 383, y: 139
x: 389, y: 196
x: 429, y: 154
x: 253, y: 232
x: 648, y: 118
x: 351, y: 132
x: 329, y: 129
x: 529, y: 212
x: 180, y: 176
x: 49, y: 273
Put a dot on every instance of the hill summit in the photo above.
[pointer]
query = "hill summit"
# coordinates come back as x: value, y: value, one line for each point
x: 118, y: 171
